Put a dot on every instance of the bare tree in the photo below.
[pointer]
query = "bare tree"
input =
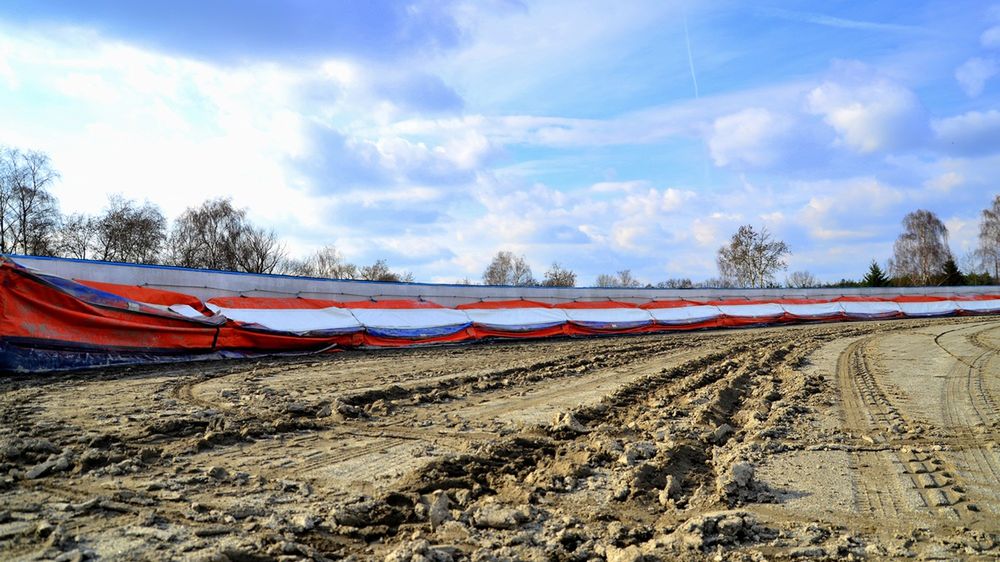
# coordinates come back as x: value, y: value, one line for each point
x: 751, y: 258
x: 7, y: 180
x: 715, y: 283
x: 508, y: 269
x: 129, y: 232
x: 921, y: 251
x: 623, y: 279
x: 379, y: 271
x: 217, y: 235
x: 989, y: 239
x: 678, y: 283
x: 800, y: 280
x: 558, y: 276
x: 29, y: 214
x: 259, y: 250
x: 326, y: 262
x: 75, y: 238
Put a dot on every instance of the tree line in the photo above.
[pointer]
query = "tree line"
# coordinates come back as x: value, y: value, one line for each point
x: 753, y: 257
x: 213, y: 235
x: 218, y: 235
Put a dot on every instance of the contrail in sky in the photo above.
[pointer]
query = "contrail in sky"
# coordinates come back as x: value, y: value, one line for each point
x: 687, y: 39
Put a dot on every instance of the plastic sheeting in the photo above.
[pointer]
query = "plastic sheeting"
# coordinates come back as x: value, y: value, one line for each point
x: 603, y: 316
x: 854, y: 307
x: 52, y: 323
x: 978, y: 306
x: 513, y: 316
x: 679, y: 313
x: 292, y: 316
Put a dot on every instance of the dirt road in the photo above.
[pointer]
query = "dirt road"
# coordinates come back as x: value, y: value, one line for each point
x: 866, y: 440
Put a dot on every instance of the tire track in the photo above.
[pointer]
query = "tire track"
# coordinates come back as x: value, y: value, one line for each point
x: 868, y: 410
x: 964, y: 387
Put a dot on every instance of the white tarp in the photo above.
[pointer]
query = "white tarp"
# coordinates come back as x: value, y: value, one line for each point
x: 684, y: 314
x: 296, y: 321
x: 516, y: 318
x: 406, y: 318
x: 185, y: 310
x: 814, y: 310
x: 872, y: 309
x: 980, y: 306
x: 608, y: 315
x: 757, y: 310
x: 929, y: 308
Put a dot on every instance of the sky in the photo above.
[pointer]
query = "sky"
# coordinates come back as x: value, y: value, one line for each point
x: 600, y: 135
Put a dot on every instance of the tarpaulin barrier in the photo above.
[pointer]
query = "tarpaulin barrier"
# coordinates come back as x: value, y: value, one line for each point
x: 981, y: 304
x: 294, y: 316
x: 603, y: 317
x: 805, y: 310
x: 50, y: 323
x: 682, y: 315
x: 869, y: 308
x: 514, y: 319
x: 749, y: 313
x: 399, y: 323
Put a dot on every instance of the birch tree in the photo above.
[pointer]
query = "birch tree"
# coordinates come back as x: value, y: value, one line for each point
x: 751, y: 258
x: 921, y: 250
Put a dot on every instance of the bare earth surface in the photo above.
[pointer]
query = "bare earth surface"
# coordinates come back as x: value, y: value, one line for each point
x: 857, y: 440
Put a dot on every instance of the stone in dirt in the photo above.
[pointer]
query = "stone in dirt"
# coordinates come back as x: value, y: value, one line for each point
x: 15, y: 528
x: 418, y: 551
x: 738, y: 485
x: 492, y: 516
x: 719, y: 528
x: 567, y: 422
x: 671, y: 490
x: 346, y: 411
x: 75, y: 555
x: 627, y: 554
x: 302, y: 523
x: 438, y: 510
x: 635, y: 452
x: 452, y: 532
x: 240, y: 554
x: 151, y: 532
x: 298, y: 409
x: 722, y: 432
x: 39, y: 470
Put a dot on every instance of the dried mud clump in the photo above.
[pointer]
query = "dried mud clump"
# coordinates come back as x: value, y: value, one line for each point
x: 722, y: 528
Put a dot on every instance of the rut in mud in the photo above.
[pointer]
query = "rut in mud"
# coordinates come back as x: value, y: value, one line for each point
x: 857, y: 439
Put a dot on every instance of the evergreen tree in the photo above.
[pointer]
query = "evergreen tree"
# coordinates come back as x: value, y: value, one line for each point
x: 951, y: 276
x: 875, y: 277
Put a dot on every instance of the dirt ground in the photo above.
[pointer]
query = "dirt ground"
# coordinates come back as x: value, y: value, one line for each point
x: 869, y: 440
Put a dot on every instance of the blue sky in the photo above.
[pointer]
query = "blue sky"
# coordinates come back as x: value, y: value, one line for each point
x: 600, y: 135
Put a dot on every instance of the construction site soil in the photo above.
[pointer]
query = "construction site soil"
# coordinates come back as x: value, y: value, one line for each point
x: 868, y: 440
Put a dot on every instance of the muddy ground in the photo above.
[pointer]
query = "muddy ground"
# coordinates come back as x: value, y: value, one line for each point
x: 856, y: 440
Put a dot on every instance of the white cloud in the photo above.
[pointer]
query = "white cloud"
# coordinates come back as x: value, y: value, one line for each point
x: 991, y: 38
x: 752, y: 136
x: 90, y: 87
x: 974, y: 73
x: 869, y: 113
x: 846, y: 209
x: 974, y: 132
x: 945, y: 182
x: 963, y: 234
